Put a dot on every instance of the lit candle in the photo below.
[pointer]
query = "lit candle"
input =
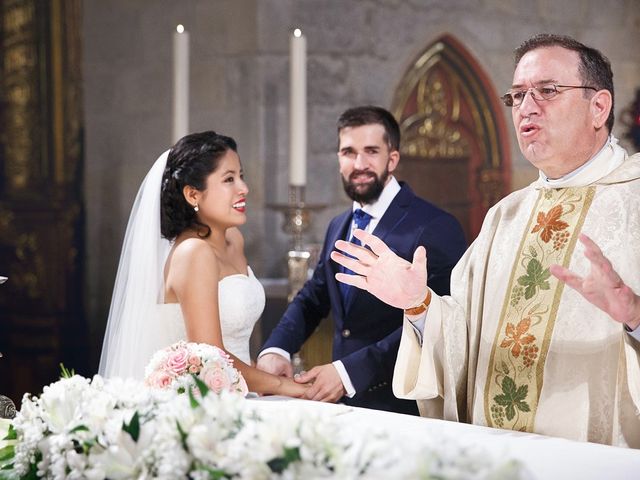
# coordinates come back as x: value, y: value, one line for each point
x: 298, y: 110
x: 180, y: 83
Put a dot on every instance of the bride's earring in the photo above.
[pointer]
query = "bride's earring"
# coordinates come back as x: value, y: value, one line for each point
x: 196, y: 208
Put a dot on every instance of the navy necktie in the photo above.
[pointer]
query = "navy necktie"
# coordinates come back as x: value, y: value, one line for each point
x: 361, y: 219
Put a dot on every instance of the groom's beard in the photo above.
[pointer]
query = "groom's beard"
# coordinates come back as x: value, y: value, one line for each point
x: 365, y: 194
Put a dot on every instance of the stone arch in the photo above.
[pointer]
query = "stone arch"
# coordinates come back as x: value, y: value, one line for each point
x: 454, y: 139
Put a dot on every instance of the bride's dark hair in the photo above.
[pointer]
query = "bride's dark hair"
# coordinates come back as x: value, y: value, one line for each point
x: 191, y: 160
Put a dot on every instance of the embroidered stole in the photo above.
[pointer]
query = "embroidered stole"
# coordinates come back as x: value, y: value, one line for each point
x: 516, y: 366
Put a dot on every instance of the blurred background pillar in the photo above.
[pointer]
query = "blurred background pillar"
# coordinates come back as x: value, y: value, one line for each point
x: 41, y: 202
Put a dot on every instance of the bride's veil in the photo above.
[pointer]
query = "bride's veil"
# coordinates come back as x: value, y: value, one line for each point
x: 130, y: 338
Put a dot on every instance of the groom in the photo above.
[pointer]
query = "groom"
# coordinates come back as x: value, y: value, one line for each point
x: 367, y: 331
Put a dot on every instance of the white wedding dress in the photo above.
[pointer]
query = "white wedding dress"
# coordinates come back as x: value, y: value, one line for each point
x: 139, y: 322
x: 241, y: 302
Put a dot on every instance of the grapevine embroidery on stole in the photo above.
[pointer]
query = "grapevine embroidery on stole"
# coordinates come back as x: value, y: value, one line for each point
x: 516, y: 366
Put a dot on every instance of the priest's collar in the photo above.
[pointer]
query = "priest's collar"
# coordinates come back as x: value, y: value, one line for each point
x: 608, y: 158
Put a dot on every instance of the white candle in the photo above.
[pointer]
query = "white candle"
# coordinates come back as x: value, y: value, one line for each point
x: 180, y: 83
x: 298, y: 110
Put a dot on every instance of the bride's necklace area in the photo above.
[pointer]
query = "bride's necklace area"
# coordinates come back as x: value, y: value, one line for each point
x: 230, y: 264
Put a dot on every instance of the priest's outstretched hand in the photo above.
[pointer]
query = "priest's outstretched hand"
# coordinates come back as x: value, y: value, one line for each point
x: 381, y: 272
x: 602, y: 286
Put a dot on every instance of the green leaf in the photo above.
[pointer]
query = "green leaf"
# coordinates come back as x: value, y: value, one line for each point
x: 280, y: 464
x: 32, y: 474
x: 521, y: 393
x: 64, y: 373
x: 7, y: 453
x: 79, y: 428
x: 535, y: 278
x: 508, y: 386
x: 512, y: 397
x: 183, y: 436
x: 192, y: 400
x: 215, y: 473
x: 203, y: 387
x: 11, y: 433
x: 133, y: 428
x: 529, y: 292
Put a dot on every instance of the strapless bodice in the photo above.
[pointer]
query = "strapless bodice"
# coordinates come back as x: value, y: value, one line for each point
x: 241, y: 302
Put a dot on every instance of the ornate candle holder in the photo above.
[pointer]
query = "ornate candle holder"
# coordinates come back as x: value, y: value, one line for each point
x: 297, y: 219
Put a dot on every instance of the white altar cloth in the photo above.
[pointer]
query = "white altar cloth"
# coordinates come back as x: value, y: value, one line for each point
x: 543, y: 457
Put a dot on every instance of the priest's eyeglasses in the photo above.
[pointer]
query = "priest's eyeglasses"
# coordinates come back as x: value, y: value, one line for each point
x: 513, y: 98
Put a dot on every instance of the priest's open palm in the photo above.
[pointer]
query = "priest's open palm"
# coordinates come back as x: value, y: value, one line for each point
x: 602, y: 286
x: 381, y: 272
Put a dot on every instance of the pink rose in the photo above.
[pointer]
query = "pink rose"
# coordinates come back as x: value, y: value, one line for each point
x: 177, y: 361
x: 194, y: 368
x: 194, y: 360
x: 215, y: 378
x: 159, y: 379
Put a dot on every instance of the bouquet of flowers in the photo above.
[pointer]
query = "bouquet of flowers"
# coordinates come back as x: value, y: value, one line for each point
x: 176, y: 366
x: 117, y: 429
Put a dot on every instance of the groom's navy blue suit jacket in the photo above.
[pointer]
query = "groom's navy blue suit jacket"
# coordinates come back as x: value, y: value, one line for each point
x: 367, y: 331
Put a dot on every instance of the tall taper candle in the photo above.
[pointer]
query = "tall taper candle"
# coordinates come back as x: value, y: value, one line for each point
x: 298, y: 110
x: 180, y: 83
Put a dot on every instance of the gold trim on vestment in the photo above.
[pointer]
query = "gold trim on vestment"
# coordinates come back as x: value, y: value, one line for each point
x: 530, y: 308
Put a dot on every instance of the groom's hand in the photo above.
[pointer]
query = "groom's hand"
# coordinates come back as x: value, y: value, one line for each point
x: 327, y: 385
x: 275, y: 365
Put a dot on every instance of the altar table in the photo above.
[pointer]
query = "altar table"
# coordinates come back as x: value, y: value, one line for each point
x: 544, y: 457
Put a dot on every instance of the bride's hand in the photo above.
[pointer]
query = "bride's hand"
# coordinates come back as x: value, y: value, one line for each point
x: 290, y: 388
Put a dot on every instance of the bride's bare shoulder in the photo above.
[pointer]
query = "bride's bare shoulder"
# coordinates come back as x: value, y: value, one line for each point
x: 193, y: 250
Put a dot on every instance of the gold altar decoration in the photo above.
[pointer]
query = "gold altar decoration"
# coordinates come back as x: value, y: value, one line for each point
x: 297, y: 220
x: 454, y: 140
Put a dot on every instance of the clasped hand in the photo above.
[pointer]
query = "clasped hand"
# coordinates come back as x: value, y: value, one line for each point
x: 326, y: 384
x: 322, y: 383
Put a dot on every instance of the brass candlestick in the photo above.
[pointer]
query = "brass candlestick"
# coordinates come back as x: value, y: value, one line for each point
x: 297, y: 219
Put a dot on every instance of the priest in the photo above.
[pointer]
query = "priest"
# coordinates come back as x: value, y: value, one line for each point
x: 541, y: 332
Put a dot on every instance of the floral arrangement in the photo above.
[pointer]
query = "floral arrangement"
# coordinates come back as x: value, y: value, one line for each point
x: 118, y: 429
x: 177, y: 366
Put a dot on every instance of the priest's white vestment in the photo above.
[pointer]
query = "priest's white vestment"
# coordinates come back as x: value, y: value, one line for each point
x: 513, y: 347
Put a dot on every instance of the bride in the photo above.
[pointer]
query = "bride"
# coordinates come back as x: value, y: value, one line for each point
x: 182, y: 272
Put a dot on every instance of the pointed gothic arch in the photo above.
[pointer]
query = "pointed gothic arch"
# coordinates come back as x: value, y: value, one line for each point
x: 454, y: 138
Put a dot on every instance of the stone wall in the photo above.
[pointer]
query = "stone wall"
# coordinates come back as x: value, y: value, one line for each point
x: 357, y: 53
